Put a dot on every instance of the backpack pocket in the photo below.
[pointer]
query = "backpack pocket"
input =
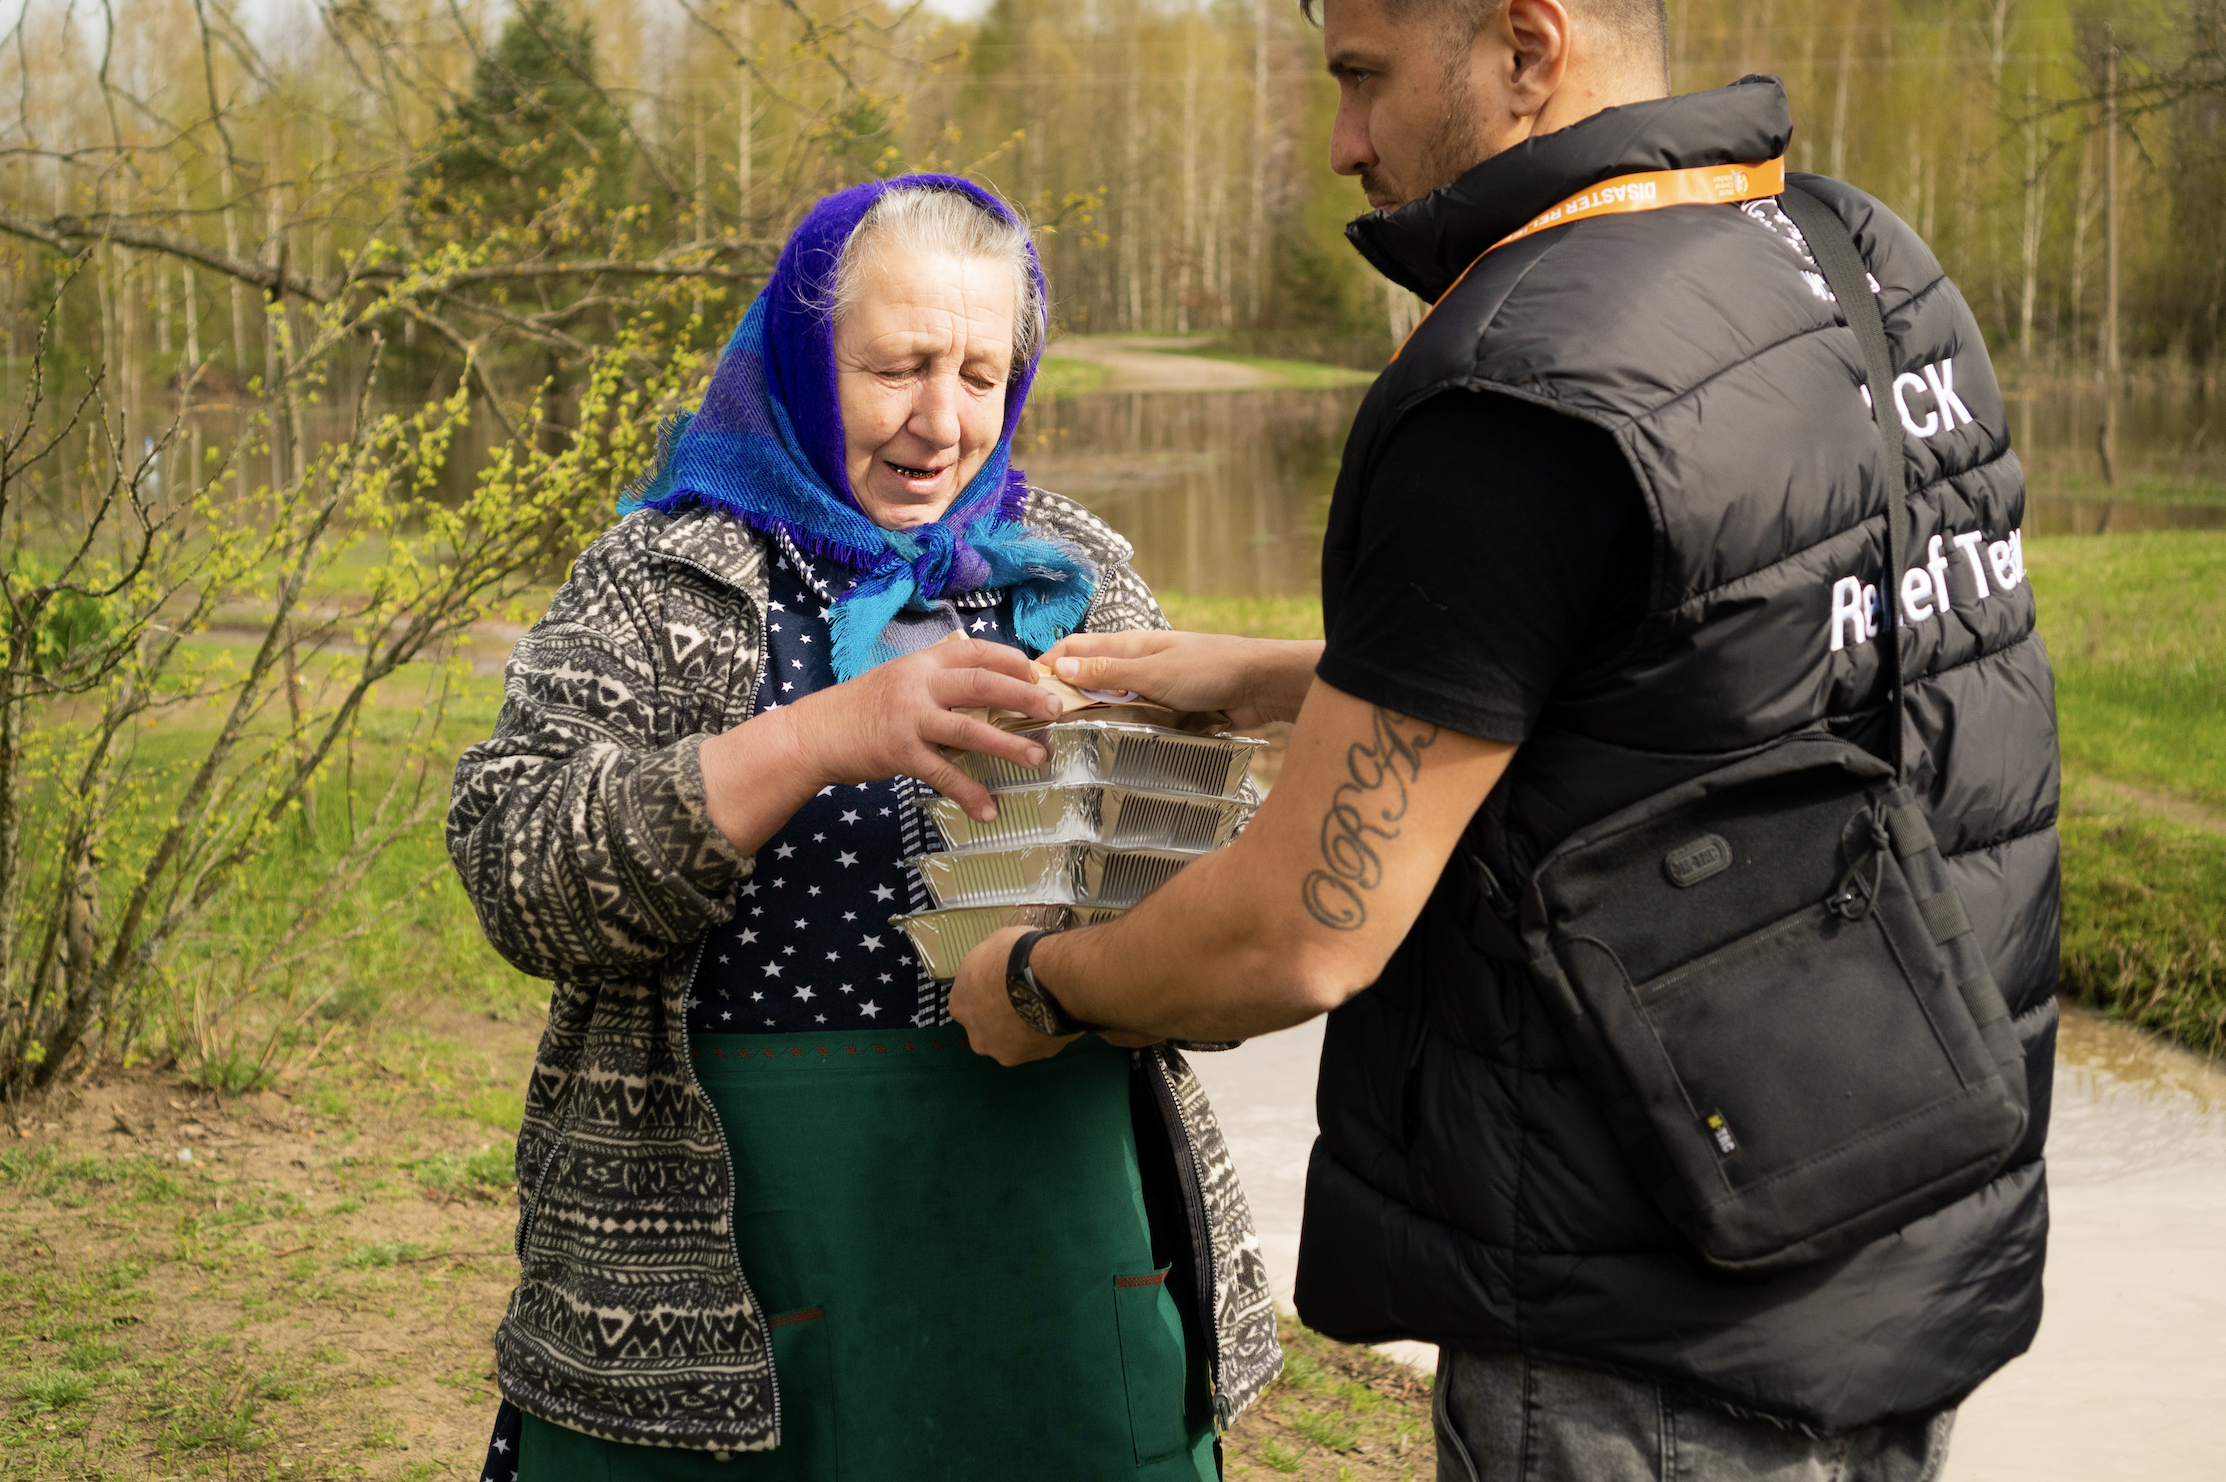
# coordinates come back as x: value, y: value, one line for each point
x: 1770, y: 984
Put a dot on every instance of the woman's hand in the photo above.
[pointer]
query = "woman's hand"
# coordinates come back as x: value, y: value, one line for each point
x: 1256, y: 680
x: 890, y: 721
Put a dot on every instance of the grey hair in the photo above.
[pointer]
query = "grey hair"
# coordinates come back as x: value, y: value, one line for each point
x: 928, y: 220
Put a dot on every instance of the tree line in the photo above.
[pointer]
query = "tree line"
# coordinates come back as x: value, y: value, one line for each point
x: 329, y: 329
x: 210, y: 171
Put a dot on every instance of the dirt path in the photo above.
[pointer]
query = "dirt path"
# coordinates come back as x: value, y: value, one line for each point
x: 2182, y: 811
x: 1139, y: 363
x: 308, y: 1280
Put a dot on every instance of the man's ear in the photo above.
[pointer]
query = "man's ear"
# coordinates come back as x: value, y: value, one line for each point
x: 1537, y: 34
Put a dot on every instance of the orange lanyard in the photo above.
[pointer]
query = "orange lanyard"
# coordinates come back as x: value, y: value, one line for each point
x: 1649, y: 190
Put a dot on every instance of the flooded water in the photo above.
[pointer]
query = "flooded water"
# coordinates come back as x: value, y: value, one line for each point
x: 1227, y: 491
x: 2169, y: 433
x: 1223, y: 492
x: 2047, y: 514
x: 2124, y: 1379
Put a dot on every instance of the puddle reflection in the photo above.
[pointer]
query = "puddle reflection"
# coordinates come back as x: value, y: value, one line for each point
x: 2127, y: 1103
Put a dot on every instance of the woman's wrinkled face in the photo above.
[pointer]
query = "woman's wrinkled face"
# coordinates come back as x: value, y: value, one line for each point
x: 921, y: 361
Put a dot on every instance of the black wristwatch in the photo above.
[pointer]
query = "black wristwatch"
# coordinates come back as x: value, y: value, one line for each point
x: 1031, y: 1000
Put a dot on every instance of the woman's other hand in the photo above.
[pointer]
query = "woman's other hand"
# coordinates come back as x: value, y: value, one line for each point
x: 1256, y: 680
x: 891, y: 721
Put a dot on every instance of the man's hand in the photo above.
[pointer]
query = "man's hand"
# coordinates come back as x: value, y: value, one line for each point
x: 1256, y: 680
x: 1289, y: 921
x: 979, y: 1001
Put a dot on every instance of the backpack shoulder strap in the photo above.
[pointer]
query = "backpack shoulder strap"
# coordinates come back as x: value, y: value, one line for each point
x: 1845, y: 273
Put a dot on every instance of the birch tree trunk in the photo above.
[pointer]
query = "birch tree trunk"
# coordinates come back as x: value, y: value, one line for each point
x: 1839, y: 103
x: 746, y: 107
x: 1132, y: 190
x: 1189, y: 247
x: 1257, y: 228
x: 2036, y: 215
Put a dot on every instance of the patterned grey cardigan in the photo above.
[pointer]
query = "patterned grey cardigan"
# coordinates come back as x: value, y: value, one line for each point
x: 580, y: 833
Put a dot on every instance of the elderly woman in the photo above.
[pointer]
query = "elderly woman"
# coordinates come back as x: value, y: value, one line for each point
x: 778, y: 1221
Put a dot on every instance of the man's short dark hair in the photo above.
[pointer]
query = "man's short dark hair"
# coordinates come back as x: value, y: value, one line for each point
x: 1642, y: 25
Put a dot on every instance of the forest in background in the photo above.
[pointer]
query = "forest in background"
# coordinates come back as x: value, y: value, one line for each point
x: 329, y: 329
x: 203, y: 165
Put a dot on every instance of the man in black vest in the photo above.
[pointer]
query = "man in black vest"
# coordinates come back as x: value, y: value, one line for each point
x: 1612, y: 518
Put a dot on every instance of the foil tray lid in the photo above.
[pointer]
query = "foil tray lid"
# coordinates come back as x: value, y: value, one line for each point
x: 1154, y: 758
x: 1059, y: 874
x: 942, y: 938
x: 1093, y: 813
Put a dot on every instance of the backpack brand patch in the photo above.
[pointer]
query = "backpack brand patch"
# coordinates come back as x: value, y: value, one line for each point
x: 1719, y: 1133
x: 1692, y: 862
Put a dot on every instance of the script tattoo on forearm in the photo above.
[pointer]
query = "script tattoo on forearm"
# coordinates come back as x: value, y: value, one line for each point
x: 1368, y: 806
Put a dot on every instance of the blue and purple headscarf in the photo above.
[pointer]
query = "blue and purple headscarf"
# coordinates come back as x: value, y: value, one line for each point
x: 767, y: 445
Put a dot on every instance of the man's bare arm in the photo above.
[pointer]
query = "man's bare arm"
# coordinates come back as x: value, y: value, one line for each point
x: 1295, y: 917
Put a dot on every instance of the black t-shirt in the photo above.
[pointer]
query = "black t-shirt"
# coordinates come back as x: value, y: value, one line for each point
x: 1503, y: 549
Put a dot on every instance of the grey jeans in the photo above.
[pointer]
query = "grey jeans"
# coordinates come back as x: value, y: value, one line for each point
x: 1512, y: 1418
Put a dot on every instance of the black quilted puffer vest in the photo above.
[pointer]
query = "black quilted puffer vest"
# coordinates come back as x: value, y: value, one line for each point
x: 1465, y: 1190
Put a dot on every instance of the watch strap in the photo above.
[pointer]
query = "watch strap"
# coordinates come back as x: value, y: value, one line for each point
x: 1020, y: 977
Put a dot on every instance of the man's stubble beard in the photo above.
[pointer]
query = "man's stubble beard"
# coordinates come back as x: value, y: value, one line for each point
x: 1451, y: 151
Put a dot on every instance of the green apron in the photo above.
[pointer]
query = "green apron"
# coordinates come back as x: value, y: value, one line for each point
x: 957, y: 1268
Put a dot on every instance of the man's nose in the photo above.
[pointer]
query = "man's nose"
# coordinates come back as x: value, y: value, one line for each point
x: 1349, y: 149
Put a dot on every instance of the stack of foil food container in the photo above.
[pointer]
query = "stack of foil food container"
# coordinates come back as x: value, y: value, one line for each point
x: 1114, y: 813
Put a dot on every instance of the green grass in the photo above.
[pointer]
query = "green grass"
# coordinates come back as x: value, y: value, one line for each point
x: 1249, y: 617
x: 1058, y: 376
x: 490, y: 1173
x: 1337, y: 1413
x: 2136, y: 625
x: 430, y: 937
x: 2134, y: 489
x: 42, y: 1390
x: 382, y: 1253
x: 2144, y: 935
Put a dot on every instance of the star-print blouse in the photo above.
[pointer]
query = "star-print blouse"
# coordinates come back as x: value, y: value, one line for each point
x: 810, y: 945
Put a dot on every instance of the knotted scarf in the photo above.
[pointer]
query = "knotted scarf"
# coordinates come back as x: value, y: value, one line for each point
x: 767, y: 446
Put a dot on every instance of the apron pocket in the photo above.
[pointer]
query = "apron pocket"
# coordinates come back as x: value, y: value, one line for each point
x: 804, y: 1368
x: 1152, y: 1363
